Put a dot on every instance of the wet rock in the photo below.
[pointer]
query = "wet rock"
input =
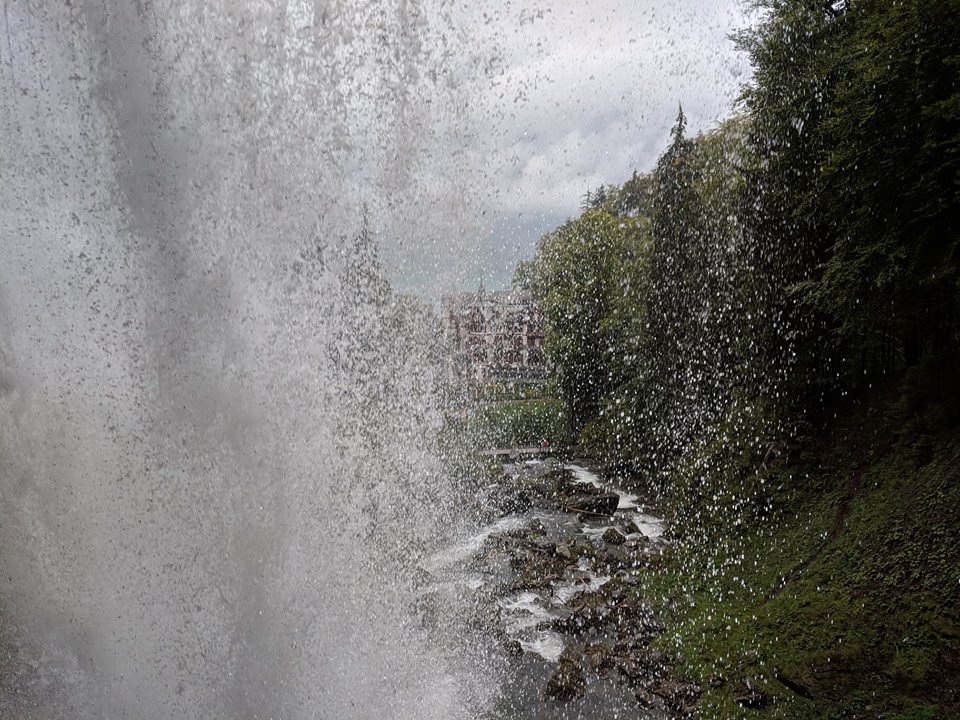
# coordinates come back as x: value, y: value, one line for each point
x: 612, y: 536
x: 588, y: 610
x: 547, y: 547
x: 680, y: 697
x: 646, y: 665
x: 604, y: 504
x: 537, y: 527
x: 536, y: 565
x: 583, y: 549
x: 533, y: 580
x: 613, y: 558
x: 564, y: 553
x: 599, y: 656
x: 629, y: 527
x: 561, y: 481
x: 513, y: 503
x: 513, y: 648
x: 480, y: 617
x: 648, y: 700
x: 652, y: 627
x: 567, y: 681
x: 570, y: 623
x: 748, y: 695
x: 630, y: 668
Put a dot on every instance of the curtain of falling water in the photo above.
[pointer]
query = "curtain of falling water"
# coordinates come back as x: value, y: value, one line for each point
x: 214, y: 455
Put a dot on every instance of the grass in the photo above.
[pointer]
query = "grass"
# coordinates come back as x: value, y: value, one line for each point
x: 520, y: 424
x: 507, y: 391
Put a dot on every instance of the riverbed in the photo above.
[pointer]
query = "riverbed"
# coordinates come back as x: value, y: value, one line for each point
x: 554, y: 594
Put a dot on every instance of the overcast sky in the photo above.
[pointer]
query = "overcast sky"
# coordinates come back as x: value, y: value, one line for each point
x: 465, y: 131
x: 573, y: 95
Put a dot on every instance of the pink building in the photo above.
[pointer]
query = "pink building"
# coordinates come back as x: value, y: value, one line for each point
x: 493, y: 336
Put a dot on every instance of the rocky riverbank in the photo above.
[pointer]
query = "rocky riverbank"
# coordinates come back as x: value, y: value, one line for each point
x: 554, y: 573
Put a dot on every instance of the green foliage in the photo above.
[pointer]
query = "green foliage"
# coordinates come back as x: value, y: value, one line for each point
x: 588, y: 280
x: 783, y: 240
x: 710, y: 321
x: 851, y: 195
x: 520, y: 424
x: 694, y: 274
x: 639, y: 295
x: 831, y: 585
x: 889, y: 181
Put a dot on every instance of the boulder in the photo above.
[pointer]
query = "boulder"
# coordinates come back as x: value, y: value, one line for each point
x: 514, y: 503
x: 646, y: 665
x: 612, y: 536
x: 513, y: 648
x: 537, y: 527
x: 603, y: 505
x: 599, y: 657
x: 564, y: 553
x: 648, y: 700
x: 567, y: 681
x: 542, y: 545
x: 629, y: 527
x: 680, y: 697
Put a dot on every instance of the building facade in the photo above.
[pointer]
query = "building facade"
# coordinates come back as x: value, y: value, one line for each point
x: 493, y: 336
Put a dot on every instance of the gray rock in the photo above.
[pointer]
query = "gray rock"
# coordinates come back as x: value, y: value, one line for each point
x: 680, y: 697
x: 513, y: 648
x: 564, y: 553
x: 603, y: 505
x: 629, y: 527
x: 599, y: 657
x: 567, y: 681
x: 613, y: 536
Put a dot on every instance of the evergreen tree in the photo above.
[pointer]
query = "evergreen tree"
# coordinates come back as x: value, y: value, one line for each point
x: 675, y: 275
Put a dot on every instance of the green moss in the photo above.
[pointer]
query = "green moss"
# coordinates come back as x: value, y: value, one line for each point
x: 832, y: 585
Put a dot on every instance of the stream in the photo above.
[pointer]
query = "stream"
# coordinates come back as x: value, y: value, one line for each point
x: 530, y: 610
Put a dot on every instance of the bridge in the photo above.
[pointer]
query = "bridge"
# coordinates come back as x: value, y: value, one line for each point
x: 520, y: 453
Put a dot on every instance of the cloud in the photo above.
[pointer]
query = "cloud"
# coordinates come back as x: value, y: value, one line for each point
x: 599, y: 87
x: 536, y: 105
x: 578, y: 96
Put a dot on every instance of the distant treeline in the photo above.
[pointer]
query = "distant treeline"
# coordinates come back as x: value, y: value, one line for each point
x: 802, y: 251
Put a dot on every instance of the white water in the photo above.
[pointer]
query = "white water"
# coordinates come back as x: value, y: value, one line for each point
x: 215, y: 419
x: 650, y: 526
x: 468, y: 547
x: 527, y: 615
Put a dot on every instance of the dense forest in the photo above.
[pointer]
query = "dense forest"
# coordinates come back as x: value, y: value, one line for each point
x: 766, y: 328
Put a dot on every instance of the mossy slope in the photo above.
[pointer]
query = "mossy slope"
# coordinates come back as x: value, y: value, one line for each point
x: 835, y: 592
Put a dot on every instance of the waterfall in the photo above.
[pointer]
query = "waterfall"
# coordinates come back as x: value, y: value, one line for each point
x: 216, y: 416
